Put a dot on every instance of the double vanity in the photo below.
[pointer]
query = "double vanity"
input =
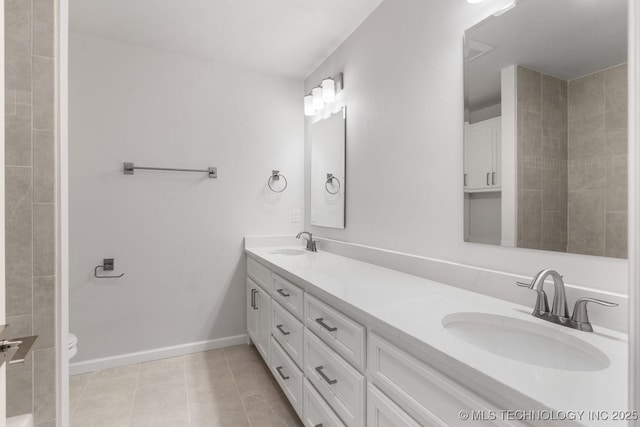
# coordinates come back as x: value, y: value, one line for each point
x: 355, y: 344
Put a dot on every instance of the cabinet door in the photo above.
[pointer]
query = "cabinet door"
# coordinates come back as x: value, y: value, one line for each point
x: 263, y: 301
x: 478, y: 156
x: 252, y: 311
x: 497, y: 155
x: 382, y: 412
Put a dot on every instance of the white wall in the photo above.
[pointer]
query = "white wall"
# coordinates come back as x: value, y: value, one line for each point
x: 403, y: 74
x: 177, y: 237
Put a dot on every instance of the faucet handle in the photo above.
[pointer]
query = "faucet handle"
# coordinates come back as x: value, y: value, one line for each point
x: 580, y: 314
x: 542, y: 304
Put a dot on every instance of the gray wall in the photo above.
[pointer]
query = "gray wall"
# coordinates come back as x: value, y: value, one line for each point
x: 177, y: 237
x: 598, y: 163
x: 541, y: 161
x: 403, y: 71
x: 30, y: 202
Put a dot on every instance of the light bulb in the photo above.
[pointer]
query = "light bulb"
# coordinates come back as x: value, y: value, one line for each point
x: 328, y: 90
x: 318, y: 103
x: 309, y: 109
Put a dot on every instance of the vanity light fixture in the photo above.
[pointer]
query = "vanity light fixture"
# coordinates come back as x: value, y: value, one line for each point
x: 474, y: 1
x: 318, y: 102
x: 328, y: 90
x: 309, y: 109
x: 506, y: 8
x: 322, y: 99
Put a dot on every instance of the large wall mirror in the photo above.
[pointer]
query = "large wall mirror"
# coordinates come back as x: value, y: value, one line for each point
x: 545, y: 146
x: 328, y: 148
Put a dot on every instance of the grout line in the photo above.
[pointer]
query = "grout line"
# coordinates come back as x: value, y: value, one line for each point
x: 186, y: 387
x: 244, y: 408
x: 135, y: 394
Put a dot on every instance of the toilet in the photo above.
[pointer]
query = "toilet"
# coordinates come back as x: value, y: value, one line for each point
x: 72, y: 345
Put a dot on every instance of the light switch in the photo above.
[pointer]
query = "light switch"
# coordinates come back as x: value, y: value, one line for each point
x: 295, y: 215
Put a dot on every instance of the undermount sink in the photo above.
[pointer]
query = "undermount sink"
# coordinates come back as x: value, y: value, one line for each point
x: 290, y: 252
x: 525, y: 341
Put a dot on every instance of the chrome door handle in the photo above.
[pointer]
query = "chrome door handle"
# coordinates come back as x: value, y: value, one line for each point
x: 488, y: 178
x: 283, y: 293
x: 283, y: 376
x: 320, y: 320
x: 464, y: 180
x: 324, y: 376
x: 282, y: 331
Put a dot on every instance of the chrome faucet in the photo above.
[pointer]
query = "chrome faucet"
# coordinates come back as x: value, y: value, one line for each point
x: 559, y: 311
x: 311, y: 244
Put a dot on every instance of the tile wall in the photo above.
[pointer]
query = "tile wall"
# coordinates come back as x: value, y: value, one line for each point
x: 572, y: 162
x: 30, y: 202
x: 597, y: 154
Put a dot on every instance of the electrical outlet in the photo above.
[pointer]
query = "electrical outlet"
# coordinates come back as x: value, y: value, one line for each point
x: 295, y: 215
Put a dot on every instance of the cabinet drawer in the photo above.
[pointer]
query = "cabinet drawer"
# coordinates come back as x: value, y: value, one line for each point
x: 343, y: 334
x: 426, y: 394
x: 259, y: 273
x: 288, y: 295
x: 316, y: 411
x: 382, y: 412
x: 288, y: 331
x: 288, y: 376
x: 338, y: 382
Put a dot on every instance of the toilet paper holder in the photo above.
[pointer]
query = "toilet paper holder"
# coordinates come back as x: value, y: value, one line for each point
x: 108, y: 264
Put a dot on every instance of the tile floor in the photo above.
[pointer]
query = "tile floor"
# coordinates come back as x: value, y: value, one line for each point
x: 225, y: 387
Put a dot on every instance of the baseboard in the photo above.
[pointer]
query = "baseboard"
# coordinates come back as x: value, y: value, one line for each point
x: 155, y: 354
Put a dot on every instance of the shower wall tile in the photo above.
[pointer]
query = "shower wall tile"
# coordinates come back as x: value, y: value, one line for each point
x: 17, y: 28
x: 616, y: 235
x: 20, y: 326
x: 586, y: 96
x: 44, y: 293
x: 43, y: 28
x: 30, y: 198
x: 43, y: 167
x: 18, y: 243
x: 44, y: 239
x: 616, y: 98
x: 616, y: 190
x: 616, y: 143
x: 20, y: 388
x: 587, y: 177
x: 529, y: 90
x: 43, y: 93
x: 44, y: 381
x: 17, y: 133
x: 586, y: 220
x: 586, y: 136
x: 17, y: 73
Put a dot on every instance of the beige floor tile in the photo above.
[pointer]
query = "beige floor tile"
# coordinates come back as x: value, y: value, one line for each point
x: 162, y: 371
x: 161, y: 405
x: 235, y: 349
x: 77, y: 384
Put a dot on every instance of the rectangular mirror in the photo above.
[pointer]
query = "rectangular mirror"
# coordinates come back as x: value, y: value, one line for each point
x: 545, y: 145
x: 328, y: 148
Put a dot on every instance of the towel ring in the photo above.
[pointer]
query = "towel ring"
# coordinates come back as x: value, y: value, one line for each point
x: 275, y: 176
x: 330, y: 179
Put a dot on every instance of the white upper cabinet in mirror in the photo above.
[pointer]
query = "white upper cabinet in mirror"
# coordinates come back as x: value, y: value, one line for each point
x: 546, y: 127
x: 328, y: 171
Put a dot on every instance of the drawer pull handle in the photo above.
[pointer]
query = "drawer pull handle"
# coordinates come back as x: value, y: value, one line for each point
x: 283, y: 376
x: 320, y: 320
x: 253, y: 299
x: 282, y: 331
x: 324, y: 376
x: 318, y: 425
x: 283, y: 293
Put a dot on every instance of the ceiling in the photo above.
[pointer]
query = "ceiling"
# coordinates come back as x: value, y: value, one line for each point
x: 286, y: 37
x: 562, y: 38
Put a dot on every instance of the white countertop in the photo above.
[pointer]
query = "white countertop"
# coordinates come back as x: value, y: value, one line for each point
x: 414, y: 307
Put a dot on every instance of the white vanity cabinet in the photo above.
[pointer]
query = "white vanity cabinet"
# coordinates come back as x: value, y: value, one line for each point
x: 336, y: 372
x: 258, y: 317
x: 482, y: 156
